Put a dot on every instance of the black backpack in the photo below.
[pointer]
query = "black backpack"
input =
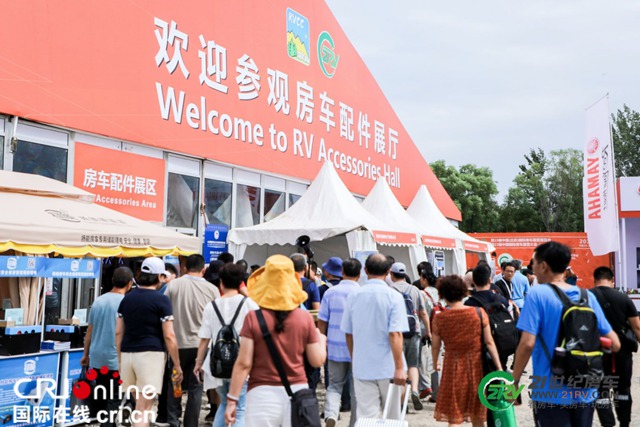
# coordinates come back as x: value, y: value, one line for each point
x: 582, y: 363
x: 626, y: 335
x: 411, y: 315
x: 503, y: 327
x: 225, y: 349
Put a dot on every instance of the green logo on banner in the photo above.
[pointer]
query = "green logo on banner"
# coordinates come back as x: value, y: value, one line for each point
x: 327, y: 58
x: 505, y: 257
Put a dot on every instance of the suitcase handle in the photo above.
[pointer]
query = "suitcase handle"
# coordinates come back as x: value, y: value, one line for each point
x: 405, y: 404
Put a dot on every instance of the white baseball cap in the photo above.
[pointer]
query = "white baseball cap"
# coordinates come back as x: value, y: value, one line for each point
x: 398, y: 268
x: 153, y: 265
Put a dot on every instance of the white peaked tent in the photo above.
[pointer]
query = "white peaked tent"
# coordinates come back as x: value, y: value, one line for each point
x: 400, y: 234
x: 439, y: 233
x: 327, y: 212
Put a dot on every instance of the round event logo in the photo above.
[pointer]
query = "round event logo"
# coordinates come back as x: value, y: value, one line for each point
x: 592, y: 147
x: 327, y: 58
x: 497, y: 391
x: 505, y: 257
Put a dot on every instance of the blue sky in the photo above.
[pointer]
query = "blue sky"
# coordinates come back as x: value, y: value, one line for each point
x: 482, y: 82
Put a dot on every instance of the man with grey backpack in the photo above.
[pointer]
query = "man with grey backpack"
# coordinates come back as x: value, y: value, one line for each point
x: 221, y: 323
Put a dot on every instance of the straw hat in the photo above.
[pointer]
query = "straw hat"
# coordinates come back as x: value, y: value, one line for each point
x: 276, y: 286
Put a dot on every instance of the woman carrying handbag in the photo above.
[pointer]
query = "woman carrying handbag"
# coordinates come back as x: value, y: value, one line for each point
x: 272, y: 354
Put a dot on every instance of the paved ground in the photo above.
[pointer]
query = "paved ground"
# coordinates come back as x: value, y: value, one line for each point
x: 524, y: 415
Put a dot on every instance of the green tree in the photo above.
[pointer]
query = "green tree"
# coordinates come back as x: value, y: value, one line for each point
x: 473, y: 190
x: 626, y: 142
x: 525, y: 202
x: 547, y: 195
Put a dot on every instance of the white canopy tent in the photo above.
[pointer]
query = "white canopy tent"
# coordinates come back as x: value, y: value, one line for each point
x: 439, y: 233
x: 42, y: 215
x: 400, y: 236
x: 327, y: 212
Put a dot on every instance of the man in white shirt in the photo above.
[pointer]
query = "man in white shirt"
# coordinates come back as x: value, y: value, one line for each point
x: 231, y: 304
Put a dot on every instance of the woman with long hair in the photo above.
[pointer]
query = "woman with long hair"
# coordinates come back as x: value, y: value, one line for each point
x: 462, y: 330
x: 277, y: 290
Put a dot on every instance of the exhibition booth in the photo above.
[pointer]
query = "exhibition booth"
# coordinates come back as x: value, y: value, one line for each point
x: 54, y: 246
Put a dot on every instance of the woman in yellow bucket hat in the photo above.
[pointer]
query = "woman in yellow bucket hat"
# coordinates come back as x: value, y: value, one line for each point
x: 277, y: 289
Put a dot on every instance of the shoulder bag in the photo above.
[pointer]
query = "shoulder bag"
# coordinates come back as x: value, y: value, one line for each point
x: 304, y: 403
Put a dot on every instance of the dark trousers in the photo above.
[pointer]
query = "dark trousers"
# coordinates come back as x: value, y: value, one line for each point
x: 621, y: 390
x: 106, y: 400
x: 163, y: 397
x: 563, y: 416
x: 193, y: 388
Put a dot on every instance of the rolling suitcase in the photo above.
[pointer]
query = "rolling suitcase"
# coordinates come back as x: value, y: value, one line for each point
x: 384, y: 422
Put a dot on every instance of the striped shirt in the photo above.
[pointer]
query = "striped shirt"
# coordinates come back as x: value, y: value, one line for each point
x: 331, y: 311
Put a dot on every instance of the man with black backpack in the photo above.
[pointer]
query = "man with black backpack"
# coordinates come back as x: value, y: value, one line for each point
x: 503, y: 327
x: 221, y: 322
x: 623, y: 317
x: 416, y: 312
x: 561, y: 326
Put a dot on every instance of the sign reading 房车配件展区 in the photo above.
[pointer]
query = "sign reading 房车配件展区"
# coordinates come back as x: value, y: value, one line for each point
x: 128, y: 183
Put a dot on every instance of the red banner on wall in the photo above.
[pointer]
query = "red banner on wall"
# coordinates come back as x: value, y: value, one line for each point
x: 269, y: 85
x: 124, y: 182
x: 521, y: 246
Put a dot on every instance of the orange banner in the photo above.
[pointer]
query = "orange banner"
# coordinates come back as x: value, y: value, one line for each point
x: 271, y: 85
x: 439, y: 242
x: 125, y: 182
x: 521, y: 246
x: 475, y: 247
x: 392, y: 237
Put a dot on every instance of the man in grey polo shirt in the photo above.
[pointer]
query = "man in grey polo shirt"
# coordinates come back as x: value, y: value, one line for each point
x: 189, y: 295
x: 411, y: 345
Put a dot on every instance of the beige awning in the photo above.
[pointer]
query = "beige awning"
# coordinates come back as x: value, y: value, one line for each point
x: 40, y: 215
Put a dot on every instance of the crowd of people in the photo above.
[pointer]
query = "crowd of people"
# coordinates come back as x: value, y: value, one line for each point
x: 248, y: 339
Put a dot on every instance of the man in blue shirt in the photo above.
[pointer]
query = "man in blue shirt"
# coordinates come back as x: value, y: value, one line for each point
x: 100, y: 340
x: 519, y: 284
x: 553, y: 404
x: 339, y: 359
x: 373, y: 321
x: 309, y: 286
